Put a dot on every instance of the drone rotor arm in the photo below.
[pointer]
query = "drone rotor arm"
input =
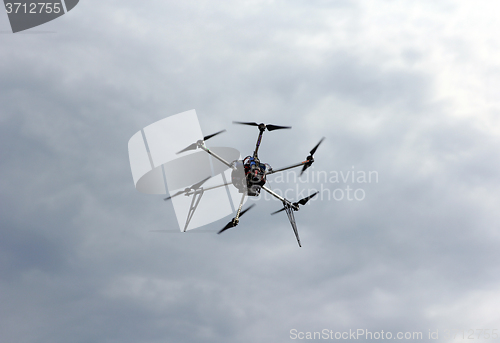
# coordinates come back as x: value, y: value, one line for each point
x: 213, y: 187
x: 289, y: 167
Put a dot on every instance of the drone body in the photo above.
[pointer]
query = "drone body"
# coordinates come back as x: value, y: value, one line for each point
x: 249, y: 176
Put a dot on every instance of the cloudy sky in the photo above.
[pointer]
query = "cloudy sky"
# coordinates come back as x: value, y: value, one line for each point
x: 409, y: 90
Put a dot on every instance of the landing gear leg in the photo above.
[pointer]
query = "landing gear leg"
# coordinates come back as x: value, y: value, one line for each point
x: 237, y: 218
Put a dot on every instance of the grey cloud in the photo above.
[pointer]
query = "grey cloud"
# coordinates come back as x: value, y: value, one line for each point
x: 78, y: 260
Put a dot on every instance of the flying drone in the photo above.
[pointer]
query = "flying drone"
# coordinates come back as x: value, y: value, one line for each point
x: 249, y: 177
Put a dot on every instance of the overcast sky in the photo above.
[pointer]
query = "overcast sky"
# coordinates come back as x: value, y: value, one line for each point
x: 406, y: 89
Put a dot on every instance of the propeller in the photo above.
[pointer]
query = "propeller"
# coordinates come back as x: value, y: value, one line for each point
x: 189, y: 189
x: 263, y: 126
x: 195, y: 145
x: 245, y: 123
x: 271, y: 127
x: 310, y: 158
x: 213, y: 135
x: 300, y: 202
x: 233, y: 223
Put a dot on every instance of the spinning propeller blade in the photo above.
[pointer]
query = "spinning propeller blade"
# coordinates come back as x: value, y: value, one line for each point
x: 310, y: 158
x: 228, y: 226
x: 269, y: 127
x: 245, y: 123
x: 232, y: 223
x: 198, y: 185
x: 243, y: 212
x: 278, y: 211
x: 195, y: 145
x: 176, y: 194
x: 300, y: 202
x: 316, y: 147
x: 276, y: 127
x: 305, y: 200
x: 213, y: 135
x: 189, y: 189
x: 189, y: 147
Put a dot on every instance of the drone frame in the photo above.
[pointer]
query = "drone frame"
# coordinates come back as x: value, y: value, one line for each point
x: 197, y: 190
